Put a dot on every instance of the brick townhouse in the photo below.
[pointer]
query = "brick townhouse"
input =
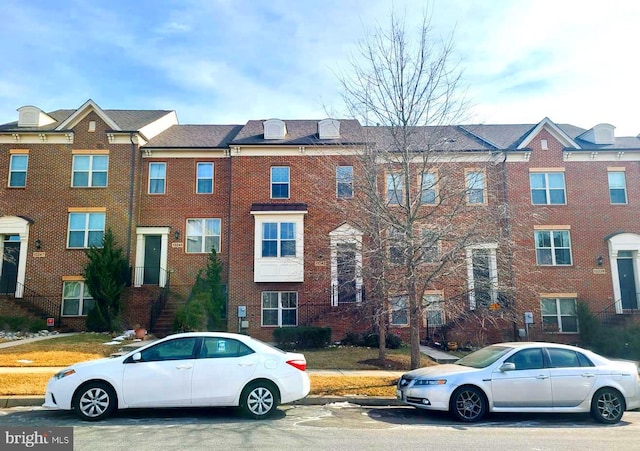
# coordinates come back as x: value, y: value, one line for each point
x: 273, y: 197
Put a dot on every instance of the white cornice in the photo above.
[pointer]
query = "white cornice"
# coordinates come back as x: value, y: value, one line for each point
x: 36, y: 138
x: 184, y: 153
x: 581, y: 156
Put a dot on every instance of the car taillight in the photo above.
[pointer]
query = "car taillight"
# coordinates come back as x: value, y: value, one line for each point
x: 299, y: 364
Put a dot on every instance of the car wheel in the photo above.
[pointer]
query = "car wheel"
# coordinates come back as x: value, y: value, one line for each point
x: 94, y: 401
x: 468, y: 404
x: 607, y: 406
x: 259, y: 400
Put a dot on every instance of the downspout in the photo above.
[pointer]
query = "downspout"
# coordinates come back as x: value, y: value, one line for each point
x: 132, y: 164
x: 229, y: 204
x: 507, y: 212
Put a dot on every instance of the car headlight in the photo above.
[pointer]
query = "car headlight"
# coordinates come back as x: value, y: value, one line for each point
x: 64, y: 373
x: 429, y: 382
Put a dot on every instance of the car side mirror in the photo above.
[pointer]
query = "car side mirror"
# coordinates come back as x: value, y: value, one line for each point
x: 507, y: 366
x: 137, y: 357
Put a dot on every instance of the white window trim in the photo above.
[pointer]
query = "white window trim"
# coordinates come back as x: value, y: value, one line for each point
x: 212, y: 178
x: 493, y: 272
x: 433, y: 188
x: 164, y: 191
x: 86, y: 230
x: 552, y: 248
x: 558, y: 315
x: 547, y: 189
x: 624, y: 187
x: 90, y: 171
x: 278, y: 269
x: 345, y: 234
x: 203, y: 236
x: 83, y: 289
x: 272, y: 183
x: 392, y: 309
x: 468, y: 188
x: 280, y: 309
x: 398, y: 186
x: 12, y: 171
x: 338, y: 182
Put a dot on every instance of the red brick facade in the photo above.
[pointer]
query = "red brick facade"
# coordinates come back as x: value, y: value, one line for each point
x: 241, y: 182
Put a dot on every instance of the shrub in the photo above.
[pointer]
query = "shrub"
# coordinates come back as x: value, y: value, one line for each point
x: 304, y: 337
x: 22, y: 324
x: 392, y: 341
x: 192, y: 317
x: 352, y: 339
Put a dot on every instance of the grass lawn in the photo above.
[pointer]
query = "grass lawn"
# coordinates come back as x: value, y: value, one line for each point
x: 65, y: 351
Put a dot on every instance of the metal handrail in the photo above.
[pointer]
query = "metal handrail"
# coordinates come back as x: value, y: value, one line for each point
x: 37, y: 303
x: 157, y: 306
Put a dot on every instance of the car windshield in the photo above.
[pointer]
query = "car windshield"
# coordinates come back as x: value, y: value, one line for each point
x: 483, y: 357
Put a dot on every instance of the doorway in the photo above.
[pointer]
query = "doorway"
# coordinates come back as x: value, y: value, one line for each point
x: 9, y: 264
x: 626, y: 278
x: 152, y: 249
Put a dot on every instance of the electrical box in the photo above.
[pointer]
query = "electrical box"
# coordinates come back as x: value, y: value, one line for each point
x: 242, y: 311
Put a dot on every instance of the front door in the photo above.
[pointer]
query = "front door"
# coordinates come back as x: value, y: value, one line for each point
x: 627, y: 283
x: 152, y: 245
x: 9, y: 264
x: 346, y: 273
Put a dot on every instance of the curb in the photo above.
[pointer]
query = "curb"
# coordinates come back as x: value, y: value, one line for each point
x: 36, y: 401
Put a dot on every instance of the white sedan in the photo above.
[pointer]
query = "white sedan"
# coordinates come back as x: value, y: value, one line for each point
x: 196, y: 369
x: 525, y: 377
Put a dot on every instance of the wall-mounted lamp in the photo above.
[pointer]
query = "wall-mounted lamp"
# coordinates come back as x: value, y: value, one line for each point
x: 38, y: 243
x: 600, y: 260
x: 176, y: 234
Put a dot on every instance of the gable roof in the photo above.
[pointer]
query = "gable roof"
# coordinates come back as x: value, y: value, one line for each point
x: 119, y: 120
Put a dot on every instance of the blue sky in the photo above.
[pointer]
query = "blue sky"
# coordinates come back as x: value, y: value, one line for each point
x: 228, y: 61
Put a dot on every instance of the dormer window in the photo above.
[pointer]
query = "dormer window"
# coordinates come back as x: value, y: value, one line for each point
x: 274, y: 129
x: 329, y: 129
x: 600, y: 134
x: 31, y: 116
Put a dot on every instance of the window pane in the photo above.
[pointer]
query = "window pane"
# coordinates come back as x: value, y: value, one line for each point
x: 269, y: 248
x: 100, y: 163
x: 99, y: 179
x: 194, y: 244
x: 563, y: 257
x: 280, y: 191
x: 81, y: 163
x: 156, y: 187
x: 96, y: 221
x: 280, y: 175
x: 211, y: 241
x: 288, y: 249
x: 270, y: 300
x: 71, y: 307
x: 269, y: 230
x: 87, y: 305
x: 539, y: 197
x: 543, y: 239
x: 95, y: 239
x: 205, y: 170
x: 569, y: 324
x: 71, y: 290
x: 568, y: 307
x: 556, y: 196
x: 618, y: 196
x: 289, y: 318
x: 549, y: 307
x: 19, y: 162
x: 76, y: 239
x: 212, y: 227
x: 18, y: 179
x: 537, y: 181
x: 556, y: 180
x: 270, y: 317
x: 80, y: 179
x: 205, y: 186
x: 287, y: 230
x: 616, y: 180
x: 561, y: 239
x: 156, y: 170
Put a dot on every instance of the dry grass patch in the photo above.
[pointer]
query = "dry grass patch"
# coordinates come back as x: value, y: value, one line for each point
x: 353, y: 385
x: 24, y: 384
x: 46, y: 358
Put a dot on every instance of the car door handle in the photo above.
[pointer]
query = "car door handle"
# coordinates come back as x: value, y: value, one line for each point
x: 184, y: 367
x: 246, y: 364
x: 542, y: 376
x: 588, y: 375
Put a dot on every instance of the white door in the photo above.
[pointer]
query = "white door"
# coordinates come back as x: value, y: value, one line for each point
x: 162, y: 378
x: 223, y: 369
x: 529, y: 385
x: 571, y: 377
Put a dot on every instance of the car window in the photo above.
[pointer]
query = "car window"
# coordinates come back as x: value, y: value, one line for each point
x: 218, y: 347
x: 178, y: 349
x: 584, y: 360
x: 527, y: 359
x: 563, y: 358
x: 484, y: 357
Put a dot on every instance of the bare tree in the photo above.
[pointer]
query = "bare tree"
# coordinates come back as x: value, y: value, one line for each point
x: 424, y: 199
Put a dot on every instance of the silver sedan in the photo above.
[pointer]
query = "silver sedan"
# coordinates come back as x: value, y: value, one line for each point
x: 525, y: 377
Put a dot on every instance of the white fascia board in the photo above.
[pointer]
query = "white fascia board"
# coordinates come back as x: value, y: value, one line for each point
x: 553, y: 129
x: 81, y: 113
